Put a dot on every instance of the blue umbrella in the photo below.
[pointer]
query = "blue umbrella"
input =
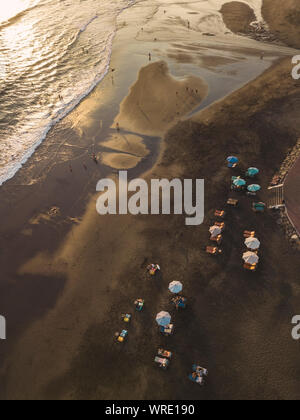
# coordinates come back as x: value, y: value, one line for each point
x: 253, y: 171
x: 239, y: 182
x: 254, y: 188
x: 163, y: 319
x: 232, y: 159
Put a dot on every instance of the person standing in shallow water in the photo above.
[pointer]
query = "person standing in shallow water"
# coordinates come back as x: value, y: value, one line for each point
x: 150, y: 57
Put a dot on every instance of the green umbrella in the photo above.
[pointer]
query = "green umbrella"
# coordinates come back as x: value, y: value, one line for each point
x: 252, y: 171
x: 254, y: 188
x: 239, y: 182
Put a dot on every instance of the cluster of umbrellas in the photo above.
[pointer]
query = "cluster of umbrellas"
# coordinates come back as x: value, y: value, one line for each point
x: 164, y: 318
x: 240, y: 182
x: 250, y: 257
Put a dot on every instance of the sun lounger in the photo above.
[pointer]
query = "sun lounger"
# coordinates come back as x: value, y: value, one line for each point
x: 217, y: 239
x: 250, y: 267
x: 221, y: 225
x: 179, y: 302
x: 164, y: 353
x: 139, y: 304
x: 122, y: 337
x: 167, y: 330
x: 126, y: 317
x: 194, y: 377
x: 153, y: 269
x: 232, y: 165
x: 259, y: 207
x: 162, y: 362
x: 249, y: 234
x: 232, y: 202
x: 213, y: 250
x: 220, y: 213
x: 198, y: 369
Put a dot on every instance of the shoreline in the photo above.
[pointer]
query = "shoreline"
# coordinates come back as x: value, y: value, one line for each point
x: 80, y: 287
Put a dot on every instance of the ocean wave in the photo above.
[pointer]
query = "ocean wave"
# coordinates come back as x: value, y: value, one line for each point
x: 11, y: 169
x: 26, y: 141
x: 14, y: 19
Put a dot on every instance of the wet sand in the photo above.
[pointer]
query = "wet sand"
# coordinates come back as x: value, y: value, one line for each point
x: 284, y: 21
x: 68, y: 274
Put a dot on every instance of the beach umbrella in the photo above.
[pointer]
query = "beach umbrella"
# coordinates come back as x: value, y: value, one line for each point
x: 250, y: 258
x: 232, y: 159
x: 239, y: 182
x: 215, y: 231
x: 175, y: 287
x: 252, y: 171
x: 254, y: 188
x: 163, y: 318
x: 252, y: 243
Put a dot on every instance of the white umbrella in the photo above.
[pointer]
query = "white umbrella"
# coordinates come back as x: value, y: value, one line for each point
x: 163, y: 318
x: 215, y: 231
x: 252, y: 243
x: 175, y: 287
x: 250, y: 258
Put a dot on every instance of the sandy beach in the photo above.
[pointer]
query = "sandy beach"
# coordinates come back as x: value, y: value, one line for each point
x: 68, y: 274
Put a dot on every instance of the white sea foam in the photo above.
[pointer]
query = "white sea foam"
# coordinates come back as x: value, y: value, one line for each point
x: 25, y: 121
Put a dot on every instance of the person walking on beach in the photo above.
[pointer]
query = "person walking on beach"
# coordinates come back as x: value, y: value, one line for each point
x: 118, y: 126
x: 150, y: 57
x: 94, y: 157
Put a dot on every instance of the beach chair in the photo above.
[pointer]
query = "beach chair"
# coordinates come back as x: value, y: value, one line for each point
x: 220, y: 213
x: 139, y: 304
x: 121, y: 337
x: 153, y: 269
x: 198, y: 369
x: 259, y: 207
x: 217, y: 239
x: 249, y: 234
x: 167, y: 330
x: 221, y: 225
x: 164, y: 353
x: 162, y: 362
x: 213, y: 250
x: 126, y: 317
x: 195, y: 377
x: 179, y: 302
x: 232, y: 202
x: 250, y: 267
